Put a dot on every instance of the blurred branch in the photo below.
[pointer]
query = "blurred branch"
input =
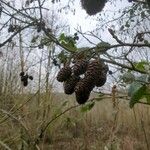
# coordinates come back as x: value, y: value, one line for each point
x: 14, y: 34
x: 18, y: 108
x: 17, y: 11
x: 53, y: 119
x: 5, y: 146
x: 124, y: 66
x: 16, y: 119
x: 114, y: 36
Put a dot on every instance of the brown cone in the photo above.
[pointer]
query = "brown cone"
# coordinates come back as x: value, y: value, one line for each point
x: 83, y: 90
x: 102, y: 77
x: 94, y: 69
x: 80, y: 67
x: 64, y: 74
x: 69, y: 85
x: 92, y: 7
x: 82, y: 97
x: 101, y: 80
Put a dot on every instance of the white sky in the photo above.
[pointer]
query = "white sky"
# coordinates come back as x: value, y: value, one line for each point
x: 88, y: 23
x: 81, y: 19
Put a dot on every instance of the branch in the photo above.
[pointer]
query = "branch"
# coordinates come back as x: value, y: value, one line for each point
x: 13, y: 35
x: 114, y: 36
x: 53, y: 119
x: 124, y: 66
x: 54, y: 39
x: 18, y: 11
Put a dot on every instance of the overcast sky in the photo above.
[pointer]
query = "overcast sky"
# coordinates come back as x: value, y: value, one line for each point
x: 81, y: 19
x: 88, y: 23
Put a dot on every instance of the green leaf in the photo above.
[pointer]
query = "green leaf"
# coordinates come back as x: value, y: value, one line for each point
x: 68, y: 42
x: 134, y: 87
x: 62, y: 37
x: 87, y: 107
x: 128, y: 77
x: 141, y: 65
x: 137, y: 95
x: 70, y: 46
x: 147, y: 96
x: 138, y: 83
x: 62, y: 56
x: 102, y: 47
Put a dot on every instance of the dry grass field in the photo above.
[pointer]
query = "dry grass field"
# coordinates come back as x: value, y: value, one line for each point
x: 102, y: 128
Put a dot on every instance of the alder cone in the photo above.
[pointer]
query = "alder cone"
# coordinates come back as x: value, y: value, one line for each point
x: 80, y: 67
x: 94, y: 68
x: 84, y: 85
x: 92, y: 7
x: 69, y: 85
x: 105, y: 68
x: 97, y: 71
x: 101, y: 80
x: 83, y: 90
x: 64, y: 74
x: 102, y: 76
x: 82, y: 97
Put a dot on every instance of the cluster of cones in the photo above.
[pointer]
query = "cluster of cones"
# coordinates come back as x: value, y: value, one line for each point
x: 82, y: 77
x: 25, y: 77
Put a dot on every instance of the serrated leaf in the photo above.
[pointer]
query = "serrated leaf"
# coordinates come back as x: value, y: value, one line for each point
x: 62, y: 37
x: 137, y: 95
x: 87, y: 107
x: 70, y: 46
x: 68, y: 42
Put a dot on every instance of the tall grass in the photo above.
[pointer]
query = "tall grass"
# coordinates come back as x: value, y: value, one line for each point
x: 104, y: 127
